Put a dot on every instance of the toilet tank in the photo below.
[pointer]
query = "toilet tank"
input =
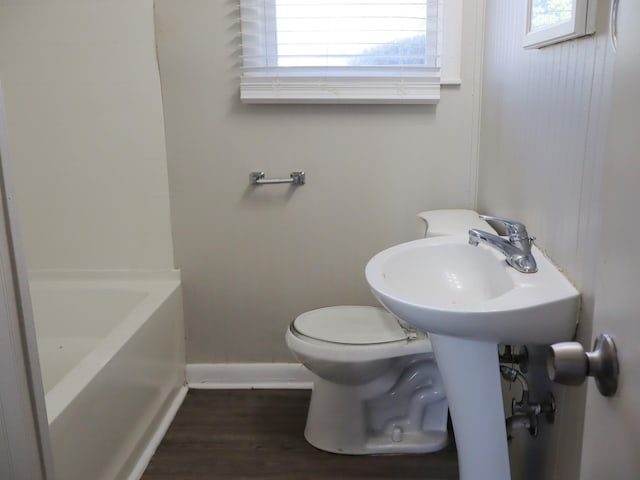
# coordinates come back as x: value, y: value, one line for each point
x: 439, y: 223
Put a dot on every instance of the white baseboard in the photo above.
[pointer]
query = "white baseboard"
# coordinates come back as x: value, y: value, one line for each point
x: 158, y: 435
x: 248, y: 375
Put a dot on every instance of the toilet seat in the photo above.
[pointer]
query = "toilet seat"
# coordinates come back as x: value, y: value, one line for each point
x: 350, y: 325
x: 316, y: 334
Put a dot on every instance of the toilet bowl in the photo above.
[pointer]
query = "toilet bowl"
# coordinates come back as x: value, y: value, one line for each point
x: 376, y: 385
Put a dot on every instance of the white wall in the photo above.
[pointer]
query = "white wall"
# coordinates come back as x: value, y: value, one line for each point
x: 86, y: 129
x: 254, y: 258
x: 543, y: 135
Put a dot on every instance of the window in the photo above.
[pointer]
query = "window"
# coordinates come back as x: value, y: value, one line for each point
x: 552, y: 21
x: 346, y: 51
x: 547, y: 13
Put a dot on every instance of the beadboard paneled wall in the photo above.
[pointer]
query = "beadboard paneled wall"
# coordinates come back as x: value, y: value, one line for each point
x: 543, y: 134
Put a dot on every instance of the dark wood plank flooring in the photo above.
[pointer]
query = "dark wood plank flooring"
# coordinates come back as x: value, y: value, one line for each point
x: 258, y: 434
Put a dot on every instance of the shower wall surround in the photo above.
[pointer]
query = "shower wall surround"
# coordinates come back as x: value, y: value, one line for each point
x: 86, y: 129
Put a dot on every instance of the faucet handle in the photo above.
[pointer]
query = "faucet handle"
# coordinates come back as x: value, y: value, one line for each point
x: 515, y: 230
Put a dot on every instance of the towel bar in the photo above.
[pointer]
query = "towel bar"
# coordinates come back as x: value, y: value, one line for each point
x: 296, y: 178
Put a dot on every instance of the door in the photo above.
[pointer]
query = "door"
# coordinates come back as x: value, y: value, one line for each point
x: 611, y: 444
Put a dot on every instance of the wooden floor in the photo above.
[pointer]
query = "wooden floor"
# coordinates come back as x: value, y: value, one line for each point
x: 258, y: 434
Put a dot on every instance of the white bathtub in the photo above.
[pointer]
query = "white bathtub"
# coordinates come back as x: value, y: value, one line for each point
x: 111, y: 348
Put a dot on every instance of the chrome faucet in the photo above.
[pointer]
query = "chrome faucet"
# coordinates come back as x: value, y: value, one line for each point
x: 517, y: 247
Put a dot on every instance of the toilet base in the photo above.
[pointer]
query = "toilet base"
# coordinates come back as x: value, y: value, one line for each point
x: 368, y: 420
x: 412, y: 443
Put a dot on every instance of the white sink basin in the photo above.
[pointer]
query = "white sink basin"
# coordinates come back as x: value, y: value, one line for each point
x: 444, y: 285
x: 469, y: 300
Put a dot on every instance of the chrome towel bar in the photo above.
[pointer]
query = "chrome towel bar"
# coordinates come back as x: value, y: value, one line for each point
x: 296, y: 178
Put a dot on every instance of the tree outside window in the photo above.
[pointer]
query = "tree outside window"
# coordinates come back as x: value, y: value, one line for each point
x: 546, y: 13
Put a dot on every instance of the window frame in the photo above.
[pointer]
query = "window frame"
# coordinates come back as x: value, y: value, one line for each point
x: 372, y: 85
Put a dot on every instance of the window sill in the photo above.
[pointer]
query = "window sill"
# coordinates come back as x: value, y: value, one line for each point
x: 451, y: 82
x: 370, y: 90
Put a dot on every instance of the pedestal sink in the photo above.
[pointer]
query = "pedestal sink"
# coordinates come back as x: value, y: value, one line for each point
x: 469, y: 300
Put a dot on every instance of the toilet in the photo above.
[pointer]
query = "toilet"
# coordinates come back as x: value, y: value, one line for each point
x: 376, y: 385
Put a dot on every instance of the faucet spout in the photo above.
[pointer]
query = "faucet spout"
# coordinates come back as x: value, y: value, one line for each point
x: 477, y: 237
x: 516, y: 251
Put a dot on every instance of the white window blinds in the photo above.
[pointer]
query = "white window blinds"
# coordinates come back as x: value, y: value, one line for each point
x: 352, y: 51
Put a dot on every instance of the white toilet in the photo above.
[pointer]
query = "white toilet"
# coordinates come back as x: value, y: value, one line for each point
x: 376, y: 385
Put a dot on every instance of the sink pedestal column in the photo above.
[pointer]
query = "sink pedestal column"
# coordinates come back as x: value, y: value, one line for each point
x: 471, y: 376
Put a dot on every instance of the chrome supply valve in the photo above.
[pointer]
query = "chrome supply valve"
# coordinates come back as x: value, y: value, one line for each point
x: 524, y: 412
x: 521, y: 421
x: 569, y: 364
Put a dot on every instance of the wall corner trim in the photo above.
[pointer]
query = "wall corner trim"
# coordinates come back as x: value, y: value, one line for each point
x: 248, y: 375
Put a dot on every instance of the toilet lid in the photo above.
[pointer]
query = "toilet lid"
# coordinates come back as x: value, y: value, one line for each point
x: 353, y: 325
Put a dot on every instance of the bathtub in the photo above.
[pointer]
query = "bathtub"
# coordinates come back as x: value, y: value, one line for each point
x: 111, y: 348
